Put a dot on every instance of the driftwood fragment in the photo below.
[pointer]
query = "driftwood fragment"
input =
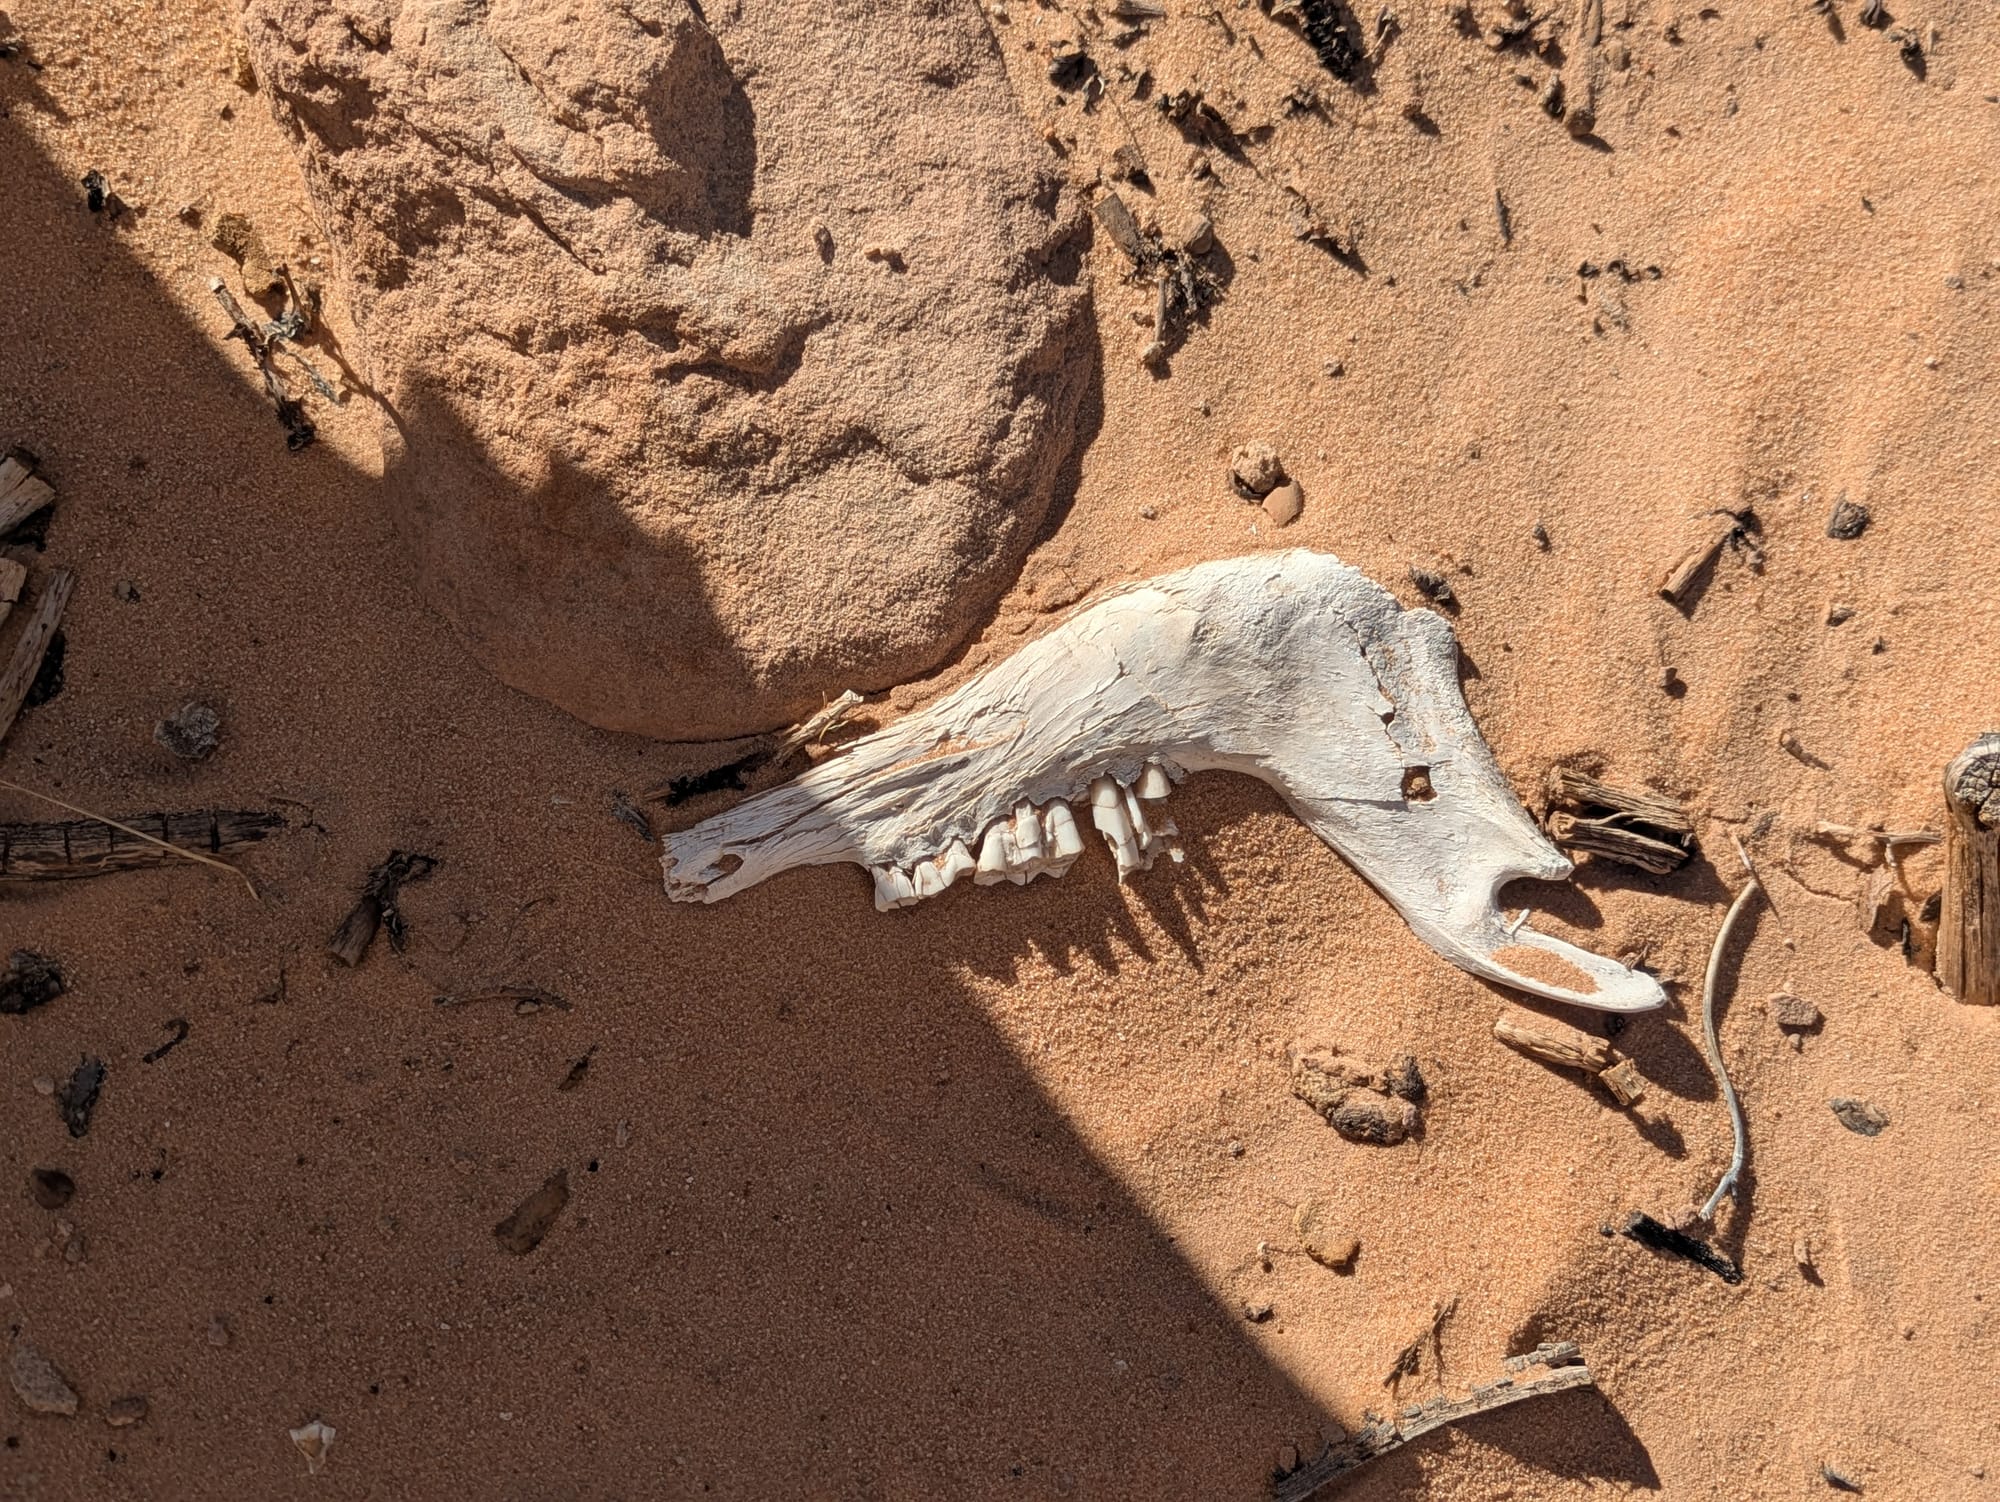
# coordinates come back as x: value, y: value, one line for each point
x: 1634, y: 826
x: 377, y: 909
x: 1557, y: 1042
x: 1534, y: 1376
x: 762, y: 764
x: 22, y: 492
x: 1718, y: 529
x: 91, y: 847
x: 1968, y: 940
x: 13, y: 579
x: 1572, y: 1048
x: 27, y: 659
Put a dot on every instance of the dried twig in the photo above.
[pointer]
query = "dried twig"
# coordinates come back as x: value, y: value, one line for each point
x: 1557, y: 1368
x: 1727, y: 1186
x: 376, y: 908
x: 137, y: 834
x: 268, y: 340
x: 46, y: 852
x: 33, y: 645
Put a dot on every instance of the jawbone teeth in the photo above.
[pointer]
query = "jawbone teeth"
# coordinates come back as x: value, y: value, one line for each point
x: 1108, y: 813
x: 893, y: 889
x: 1288, y: 667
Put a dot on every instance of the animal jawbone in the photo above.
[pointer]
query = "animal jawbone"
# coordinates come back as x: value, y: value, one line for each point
x: 1290, y: 667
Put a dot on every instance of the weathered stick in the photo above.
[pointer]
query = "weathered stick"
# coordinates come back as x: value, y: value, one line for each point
x: 22, y: 494
x: 1384, y: 1435
x: 1557, y: 1042
x: 1571, y: 1048
x: 377, y: 907
x: 34, y: 642
x: 13, y: 578
x: 1968, y: 944
x: 1640, y: 828
x: 90, y: 847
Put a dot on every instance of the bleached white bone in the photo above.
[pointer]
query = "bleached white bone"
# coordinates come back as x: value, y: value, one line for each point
x: 1154, y: 784
x: 1290, y: 667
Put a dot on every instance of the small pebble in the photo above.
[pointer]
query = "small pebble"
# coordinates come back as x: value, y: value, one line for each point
x: 1848, y: 521
x: 44, y: 1085
x: 1793, y: 1013
x: 314, y: 1440
x: 1839, y: 615
x: 1334, y: 368
x: 1859, y: 1116
x: 1288, y: 1459
x: 1255, y: 470
x: 126, y: 591
x: 1235, y: 1149
x: 1257, y: 1313
x: 37, y: 1383
x: 1284, y: 503
x: 1194, y: 234
x: 191, y: 732
x: 1149, y: 513
x: 1324, y: 1239
x: 122, y: 1413
x: 1838, y: 1479
x: 218, y: 1331
x: 1434, y: 586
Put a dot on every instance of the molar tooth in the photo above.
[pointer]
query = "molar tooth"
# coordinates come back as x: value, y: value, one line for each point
x: 1107, y: 812
x: 901, y: 887
x: 1027, y: 831
x: 885, y: 896
x: 927, y: 879
x: 1137, y: 814
x: 993, y: 855
x: 1154, y: 783
x: 1064, y: 840
x: 956, y: 862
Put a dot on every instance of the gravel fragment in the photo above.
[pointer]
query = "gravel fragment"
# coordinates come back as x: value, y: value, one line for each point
x: 1859, y: 1116
x: 37, y: 1383
x: 191, y: 732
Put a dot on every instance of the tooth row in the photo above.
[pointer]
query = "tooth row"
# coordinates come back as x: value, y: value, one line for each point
x: 1030, y: 842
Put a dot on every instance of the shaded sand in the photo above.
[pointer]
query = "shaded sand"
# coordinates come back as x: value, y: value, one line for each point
x: 946, y: 1202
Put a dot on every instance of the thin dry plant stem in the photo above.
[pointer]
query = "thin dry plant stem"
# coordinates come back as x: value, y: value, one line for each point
x: 1727, y: 1187
x: 138, y: 834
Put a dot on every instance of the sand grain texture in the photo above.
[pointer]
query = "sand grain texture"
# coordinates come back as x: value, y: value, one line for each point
x: 968, y: 1200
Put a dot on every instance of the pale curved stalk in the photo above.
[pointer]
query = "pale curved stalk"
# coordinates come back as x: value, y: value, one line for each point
x: 1290, y: 667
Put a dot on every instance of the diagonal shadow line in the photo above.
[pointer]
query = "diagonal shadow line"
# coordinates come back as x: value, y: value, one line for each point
x: 848, y: 1247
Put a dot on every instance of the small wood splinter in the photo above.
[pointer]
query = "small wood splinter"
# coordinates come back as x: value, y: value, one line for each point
x: 1724, y: 529
x: 26, y: 662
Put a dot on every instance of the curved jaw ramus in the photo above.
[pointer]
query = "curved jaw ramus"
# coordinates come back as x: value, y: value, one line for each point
x: 1290, y: 667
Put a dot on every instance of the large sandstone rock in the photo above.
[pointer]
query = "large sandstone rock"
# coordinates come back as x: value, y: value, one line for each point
x: 722, y: 369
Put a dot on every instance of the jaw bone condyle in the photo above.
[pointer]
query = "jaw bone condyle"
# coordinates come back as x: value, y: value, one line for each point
x: 1291, y: 667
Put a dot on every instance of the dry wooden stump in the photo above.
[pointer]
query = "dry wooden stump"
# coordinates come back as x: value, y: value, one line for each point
x: 1968, y: 939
